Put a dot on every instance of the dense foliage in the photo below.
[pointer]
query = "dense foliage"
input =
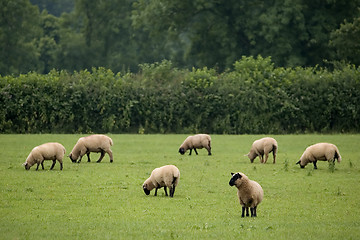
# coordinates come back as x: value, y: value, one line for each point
x: 121, y: 34
x: 254, y: 97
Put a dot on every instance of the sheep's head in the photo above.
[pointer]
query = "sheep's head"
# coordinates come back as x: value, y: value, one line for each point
x: 299, y: 162
x: 182, y: 151
x: 251, y: 155
x: 146, y: 190
x: 27, y: 166
x: 235, y: 177
x: 71, y: 158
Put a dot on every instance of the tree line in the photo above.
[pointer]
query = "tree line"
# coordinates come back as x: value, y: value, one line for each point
x: 255, y: 97
x: 121, y: 34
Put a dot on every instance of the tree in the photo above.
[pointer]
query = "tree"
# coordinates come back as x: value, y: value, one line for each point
x: 19, y: 31
x: 345, y: 40
x: 216, y: 33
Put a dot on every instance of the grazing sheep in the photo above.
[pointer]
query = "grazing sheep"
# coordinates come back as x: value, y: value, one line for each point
x: 47, y: 151
x: 165, y: 176
x: 198, y: 141
x: 93, y: 143
x: 320, y: 151
x: 263, y: 146
x: 250, y: 193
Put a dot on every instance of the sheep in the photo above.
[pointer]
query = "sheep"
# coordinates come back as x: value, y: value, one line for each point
x: 319, y: 151
x: 165, y: 176
x: 250, y: 193
x: 93, y: 143
x: 47, y: 151
x: 263, y: 146
x: 198, y: 141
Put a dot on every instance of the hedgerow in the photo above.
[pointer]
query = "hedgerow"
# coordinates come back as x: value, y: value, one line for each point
x: 253, y: 97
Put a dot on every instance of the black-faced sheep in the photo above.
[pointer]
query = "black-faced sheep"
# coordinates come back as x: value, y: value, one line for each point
x: 93, y: 143
x: 165, y: 176
x: 198, y: 141
x: 47, y: 151
x: 263, y: 146
x: 320, y: 151
x: 250, y: 193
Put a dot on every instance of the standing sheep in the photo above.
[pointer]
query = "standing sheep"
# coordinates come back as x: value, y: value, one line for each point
x: 250, y: 193
x: 165, y: 176
x: 198, y: 141
x: 93, y: 143
x: 263, y: 146
x: 47, y: 151
x: 320, y: 151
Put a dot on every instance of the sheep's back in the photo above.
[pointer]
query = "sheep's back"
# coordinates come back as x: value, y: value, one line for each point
x: 96, y: 142
x: 320, y: 150
x: 49, y: 151
x: 164, y: 176
x: 200, y: 140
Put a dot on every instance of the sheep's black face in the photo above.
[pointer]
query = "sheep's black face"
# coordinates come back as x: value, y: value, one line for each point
x: 182, y: 151
x: 70, y: 156
x: 146, y: 191
x: 300, y: 164
x: 235, y: 176
x: 27, y: 167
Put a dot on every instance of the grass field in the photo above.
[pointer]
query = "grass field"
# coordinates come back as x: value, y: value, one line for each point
x: 106, y: 201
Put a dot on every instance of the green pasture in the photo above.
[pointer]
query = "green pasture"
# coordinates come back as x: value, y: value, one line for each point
x: 105, y: 200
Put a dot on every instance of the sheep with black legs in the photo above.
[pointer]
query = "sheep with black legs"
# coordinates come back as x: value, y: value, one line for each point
x: 250, y: 193
x: 165, y: 176
x: 197, y: 141
x: 47, y: 151
x: 263, y: 146
x: 320, y: 151
x: 93, y: 143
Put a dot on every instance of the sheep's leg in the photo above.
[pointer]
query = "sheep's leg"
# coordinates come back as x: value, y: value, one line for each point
x: 42, y: 165
x: 195, y: 151
x: 172, y: 191
x: 37, y: 167
x: 266, y: 157
x: 261, y: 158
x: 274, y: 156
x: 209, y: 151
x: 243, y: 212
x: 190, y: 151
x: 315, y: 167
x: 61, y: 166
x: 253, y: 212
x: 101, y: 156
x: 52, y: 166
x: 110, y: 154
x: 166, y: 194
x: 79, y: 159
x: 88, y: 155
x: 247, y: 211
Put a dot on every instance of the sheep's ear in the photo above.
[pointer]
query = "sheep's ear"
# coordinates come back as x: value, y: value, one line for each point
x: 232, y: 174
x: 298, y: 162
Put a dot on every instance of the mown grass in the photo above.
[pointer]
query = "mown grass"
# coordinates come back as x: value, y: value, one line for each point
x: 106, y: 201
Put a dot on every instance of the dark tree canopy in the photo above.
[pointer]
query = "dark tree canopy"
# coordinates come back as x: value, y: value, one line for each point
x: 121, y: 34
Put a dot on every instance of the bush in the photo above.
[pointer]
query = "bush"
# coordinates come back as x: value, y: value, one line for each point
x: 255, y: 98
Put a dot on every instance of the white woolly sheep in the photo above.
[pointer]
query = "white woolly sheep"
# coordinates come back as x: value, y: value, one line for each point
x: 93, y: 143
x: 320, y: 151
x: 263, y: 146
x: 165, y: 176
x: 47, y: 151
x: 198, y: 141
x: 250, y: 193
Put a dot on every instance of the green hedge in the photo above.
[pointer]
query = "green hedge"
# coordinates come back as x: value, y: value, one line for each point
x: 254, y: 97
